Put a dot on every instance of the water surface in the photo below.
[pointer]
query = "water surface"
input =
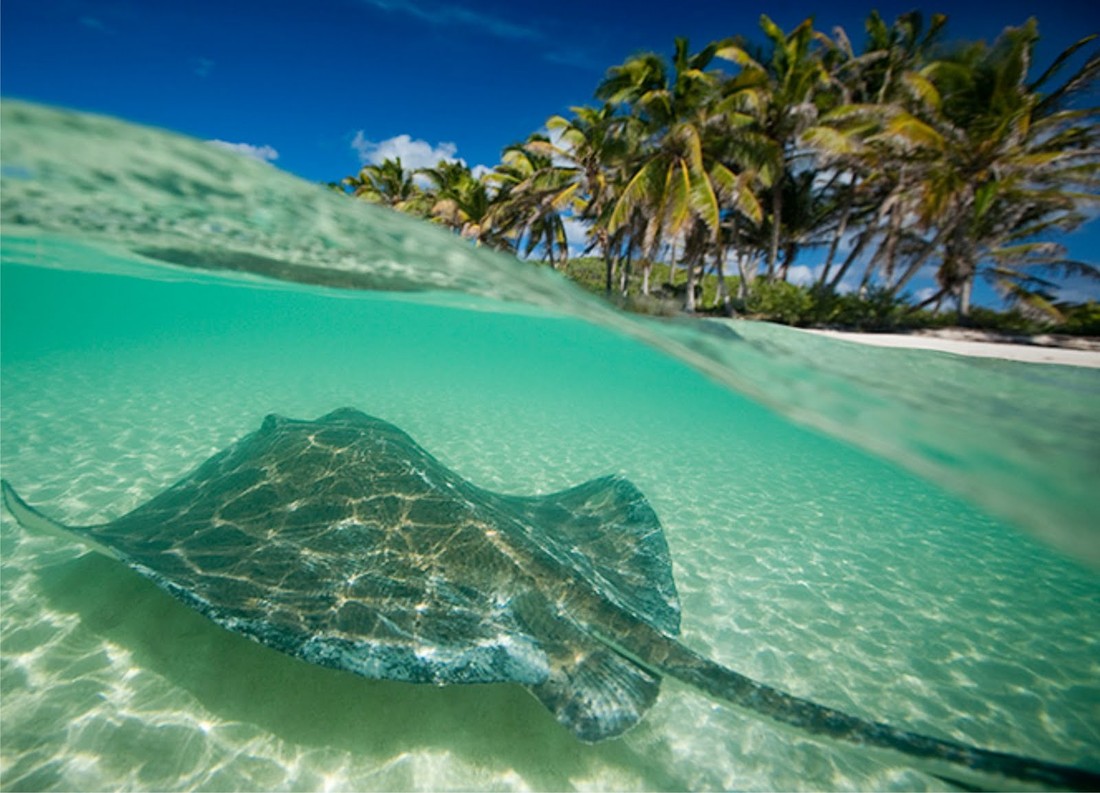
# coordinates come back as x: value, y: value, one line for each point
x: 809, y: 562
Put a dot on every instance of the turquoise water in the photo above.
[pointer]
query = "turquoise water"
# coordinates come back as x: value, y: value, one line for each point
x: 804, y: 560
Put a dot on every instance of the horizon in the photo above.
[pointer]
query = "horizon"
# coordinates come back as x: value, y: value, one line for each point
x: 321, y: 90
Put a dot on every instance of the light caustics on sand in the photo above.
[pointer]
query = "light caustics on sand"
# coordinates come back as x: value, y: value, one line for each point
x: 343, y: 542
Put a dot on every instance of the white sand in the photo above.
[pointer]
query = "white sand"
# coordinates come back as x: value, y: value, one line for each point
x: 1083, y: 352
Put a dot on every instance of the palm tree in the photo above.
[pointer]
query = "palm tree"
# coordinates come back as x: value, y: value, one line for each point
x: 674, y: 181
x: 593, y: 144
x: 959, y: 163
x: 660, y: 99
x: 463, y: 203
x: 387, y: 183
x: 863, y: 188
x: 771, y: 102
x: 1007, y: 163
x: 676, y: 187
x: 533, y: 193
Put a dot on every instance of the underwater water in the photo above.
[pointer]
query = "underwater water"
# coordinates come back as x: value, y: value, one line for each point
x: 808, y: 552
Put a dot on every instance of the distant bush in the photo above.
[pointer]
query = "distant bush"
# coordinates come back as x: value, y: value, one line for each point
x: 1080, y: 320
x: 780, y: 301
x: 587, y: 271
x: 875, y: 310
x: 1011, y: 321
x: 790, y: 304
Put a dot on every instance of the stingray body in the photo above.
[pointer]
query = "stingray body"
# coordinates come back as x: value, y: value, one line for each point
x: 343, y: 542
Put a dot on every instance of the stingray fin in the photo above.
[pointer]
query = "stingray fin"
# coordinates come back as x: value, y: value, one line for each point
x: 30, y: 518
x: 606, y: 530
x: 595, y: 692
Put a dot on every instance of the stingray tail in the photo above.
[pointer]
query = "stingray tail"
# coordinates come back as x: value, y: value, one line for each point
x: 954, y: 762
x: 31, y: 519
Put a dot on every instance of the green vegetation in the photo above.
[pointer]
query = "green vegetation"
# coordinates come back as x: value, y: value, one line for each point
x: 816, y: 306
x: 703, y: 179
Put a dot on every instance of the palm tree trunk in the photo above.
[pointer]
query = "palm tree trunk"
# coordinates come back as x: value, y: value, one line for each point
x: 689, y: 298
x: 842, y: 226
x: 864, y: 238
x: 628, y: 266
x: 611, y: 254
x: 885, y: 252
x: 722, y: 295
x: 965, y: 290
x: 648, y: 255
x: 937, y: 298
x: 743, y: 274
x: 790, y: 251
x: 917, y: 263
x: 672, y: 262
x: 777, y: 210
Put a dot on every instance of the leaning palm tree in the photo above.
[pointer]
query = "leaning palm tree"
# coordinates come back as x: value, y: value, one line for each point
x: 533, y: 193
x: 863, y: 190
x: 1008, y: 161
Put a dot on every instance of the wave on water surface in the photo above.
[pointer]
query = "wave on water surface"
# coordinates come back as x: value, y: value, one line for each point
x: 1022, y: 442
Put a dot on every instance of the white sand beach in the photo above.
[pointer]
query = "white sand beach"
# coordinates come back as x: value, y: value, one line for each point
x: 1039, y: 349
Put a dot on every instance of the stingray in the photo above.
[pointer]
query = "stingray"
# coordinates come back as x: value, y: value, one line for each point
x: 341, y: 541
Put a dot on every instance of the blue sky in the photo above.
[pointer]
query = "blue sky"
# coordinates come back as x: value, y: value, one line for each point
x: 324, y: 84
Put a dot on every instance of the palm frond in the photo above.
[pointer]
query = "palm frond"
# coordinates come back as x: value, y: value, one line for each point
x: 831, y: 142
x: 922, y: 89
x: 1060, y: 61
x: 637, y: 191
x: 739, y: 56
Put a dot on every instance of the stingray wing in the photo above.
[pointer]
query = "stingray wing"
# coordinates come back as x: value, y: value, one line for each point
x: 343, y: 542
x: 326, y: 540
x: 341, y: 595
x: 605, y: 533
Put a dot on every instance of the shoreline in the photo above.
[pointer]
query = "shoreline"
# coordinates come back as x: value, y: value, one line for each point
x: 1065, y: 351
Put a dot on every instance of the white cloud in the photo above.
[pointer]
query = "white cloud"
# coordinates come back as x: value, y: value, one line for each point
x: 413, y: 153
x: 263, y: 153
x: 558, y: 141
x: 802, y: 275
x: 576, y: 233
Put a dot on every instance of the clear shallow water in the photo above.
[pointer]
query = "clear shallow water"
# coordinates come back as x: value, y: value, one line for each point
x: 801, y: 560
